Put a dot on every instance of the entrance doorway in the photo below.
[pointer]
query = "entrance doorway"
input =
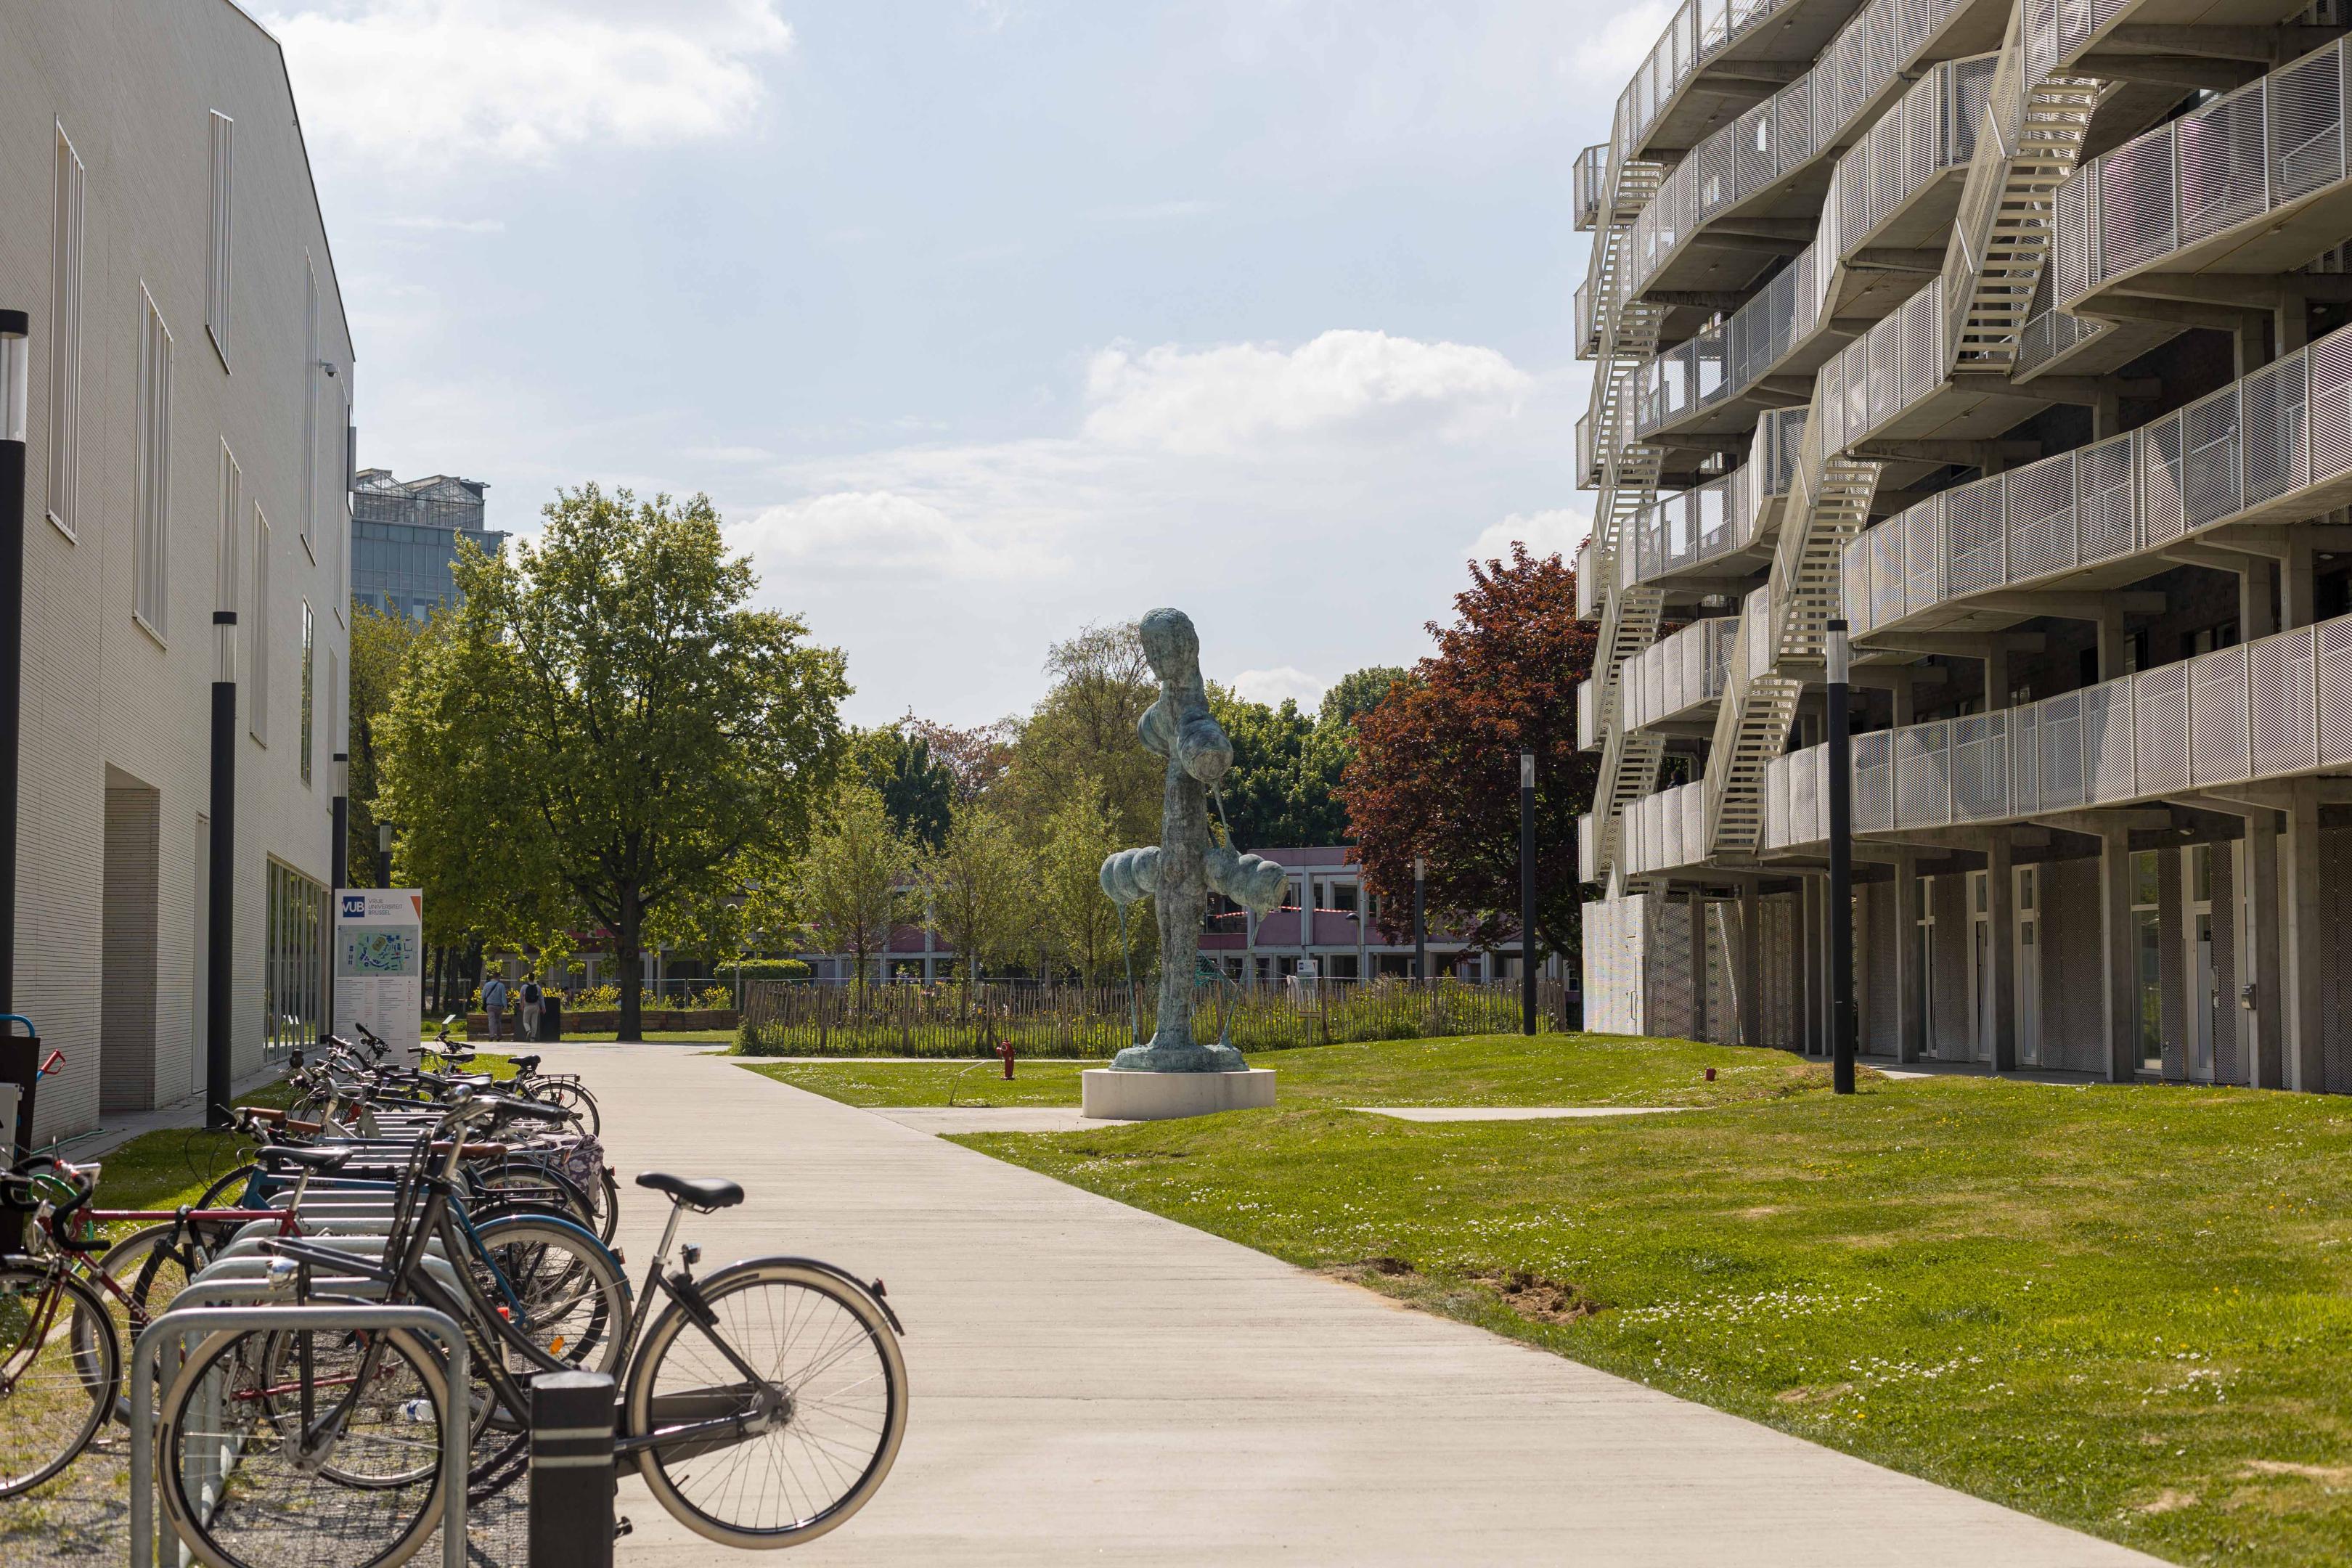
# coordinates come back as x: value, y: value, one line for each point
x: 1980, y: 962
x: 2029, y: 966
x: 2204, y: 986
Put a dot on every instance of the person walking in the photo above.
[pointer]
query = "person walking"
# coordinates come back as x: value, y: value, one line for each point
x: 531, y: 996
x: 494, y: 1002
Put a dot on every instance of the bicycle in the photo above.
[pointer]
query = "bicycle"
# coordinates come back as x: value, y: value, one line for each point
x: 763, y: 1403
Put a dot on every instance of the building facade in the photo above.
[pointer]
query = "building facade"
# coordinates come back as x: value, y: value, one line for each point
x: 190, y: 410
x: 405, y: 538
x: 2015, y: 336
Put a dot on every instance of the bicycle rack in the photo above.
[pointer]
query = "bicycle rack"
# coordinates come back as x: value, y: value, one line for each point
x: 163, y: 1338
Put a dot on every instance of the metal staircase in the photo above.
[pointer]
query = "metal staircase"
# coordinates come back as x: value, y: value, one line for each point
x: 2028, y: 145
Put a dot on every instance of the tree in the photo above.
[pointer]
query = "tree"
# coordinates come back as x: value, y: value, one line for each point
x: 605, y: 725
x: 975, y: 759
x: 1271, y: 796
x: 848, y: 886
x: 1436, y: 771
x: 917, y: 791
x: 979, y: 894
x: 1083, y: 730
x: 1357, y: 692
x: 1081, y: 924
x: 381, y: 645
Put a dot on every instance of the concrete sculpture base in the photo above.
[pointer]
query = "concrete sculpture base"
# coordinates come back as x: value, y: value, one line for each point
x: 1116, y: 1096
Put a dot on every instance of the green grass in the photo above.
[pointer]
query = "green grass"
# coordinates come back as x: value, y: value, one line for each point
x: 1477, y: 1069
x: 2125, y: 1309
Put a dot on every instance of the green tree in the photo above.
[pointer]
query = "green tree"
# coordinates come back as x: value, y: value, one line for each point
x: 1083, y: 731
x: 848, y: 886
x: 1358, y: 691
x: 917, y: 790
x: 381, y: 645
x: 979, y: 890
x: 1080, y: 923
x: 606, y: 725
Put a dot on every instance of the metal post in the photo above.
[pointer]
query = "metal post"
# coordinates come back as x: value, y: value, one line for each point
x: 339, y: 854
x: 383, y: 854
x: 220, y: 912
x: 16, y: 346
x: 1527, y: 892
x: 1841, y: 910
x: 571, y: 1470
x: 1420, y: 918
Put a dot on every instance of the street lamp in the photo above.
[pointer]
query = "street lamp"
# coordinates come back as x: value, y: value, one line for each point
x: 383, y: 854
x: 1420, y: 919
x: 1527, y: 892
x: 15, y: 391
x: 1841, y: 766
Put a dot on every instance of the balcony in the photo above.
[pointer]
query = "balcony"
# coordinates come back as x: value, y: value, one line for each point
x: 2268, y: 709
x: 1773, y: 163
x: 1896, y: 382
x: 2053, y: 342
x: 2058, y: 36
x: 2274, y: 447
x: 1588, y: 592
x: 1666, y: 831
x: 1683, y: 87
x: 1713, y: 522
x: 2253, y: 181
x: 1674, y: 684
x: 1591, y: 180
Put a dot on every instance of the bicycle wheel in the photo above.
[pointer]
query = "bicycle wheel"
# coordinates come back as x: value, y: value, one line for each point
x: 242, y: 1494
x: 824, y: 1423
x: 55, y: 1388
x: 151, y: 1267
x: 277, y: 1376
x: 570, y: 1297
x: 573, y: 1097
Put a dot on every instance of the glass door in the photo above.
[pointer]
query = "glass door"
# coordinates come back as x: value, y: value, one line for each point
x: 2029, y: 967
x: 1981, y: 961
x: 2204, y: 986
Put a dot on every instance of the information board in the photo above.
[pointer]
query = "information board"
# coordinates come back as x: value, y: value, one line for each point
x: 380, y: 964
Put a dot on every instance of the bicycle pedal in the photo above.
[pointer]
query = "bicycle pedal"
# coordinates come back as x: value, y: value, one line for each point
x: 622, y: 1527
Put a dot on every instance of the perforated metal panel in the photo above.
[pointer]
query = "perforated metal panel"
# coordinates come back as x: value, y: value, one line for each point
x: 2306, y: 124
x: 1921, y: 332
x: 1716, y: 189
x: 2103, y: 489
x: 1980, y: 768
x: 2161, y: 509
x: 1886, y: 573
x: 1874, y: 782
x: 1804, y: 796
x: 2330, y: 362
x: 1920, y: 550
x: 2024, y: 759
x: 1973, y: 535
x: 2160, y: 728
x: 2224, y: 177
x: 2216, y: 714
x: 2069, y: 257
x: 1923, y: 795
x: 2135, y: 201
x: 2208, y: 457
x: 1792, y: 120
x: 2041, y: 513
x: 1886, y: 166
x: 2107, y: 741
x: 2061, y: 752
x: 2333, y: 677
x: 2281, y: 692
x: 2276, y: 431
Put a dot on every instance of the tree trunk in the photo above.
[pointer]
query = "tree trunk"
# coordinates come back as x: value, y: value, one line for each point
x: 626, y: 953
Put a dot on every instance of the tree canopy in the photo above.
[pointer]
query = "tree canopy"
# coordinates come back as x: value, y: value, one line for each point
x: 1436, y: 771
x: 605, y: 726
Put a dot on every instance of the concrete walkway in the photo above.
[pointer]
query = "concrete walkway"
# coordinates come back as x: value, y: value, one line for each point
x: 1510, y: 1112
x: 1092, y: 1383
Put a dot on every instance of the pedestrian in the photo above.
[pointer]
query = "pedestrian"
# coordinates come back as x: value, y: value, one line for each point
x: 494, y: 1002
x: 531, y: 997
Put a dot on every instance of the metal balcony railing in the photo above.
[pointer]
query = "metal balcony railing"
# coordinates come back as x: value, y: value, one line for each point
x: 1885, y: 372
x: 1587, y: 588
x: 1731, y: 356
x: 2228, y: 165
x: 1666, y: 830
x: 1699, y: 30
x: 2057, y: 32
x: 1718, y: 517
x: 2276, y: 444
x: 1588, y: 851
x: 1677, y: 674
x: 1933, y: 128
x: 1591, y: 181
x: 1588, y: 326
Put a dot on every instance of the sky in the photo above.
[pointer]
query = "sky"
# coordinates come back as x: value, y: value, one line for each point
x: 981, y: 320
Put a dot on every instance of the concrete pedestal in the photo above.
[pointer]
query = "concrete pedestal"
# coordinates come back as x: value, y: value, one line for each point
x: 1117, y: 1096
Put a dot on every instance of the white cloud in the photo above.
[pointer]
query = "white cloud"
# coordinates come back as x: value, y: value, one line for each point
x: 1558, y: 530
x: 879, y: 536
x: 1225, y: 398
x: 1271, y: 685
x: 429, y: 82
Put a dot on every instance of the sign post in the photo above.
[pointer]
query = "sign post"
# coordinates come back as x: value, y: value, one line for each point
x: 380, y: 963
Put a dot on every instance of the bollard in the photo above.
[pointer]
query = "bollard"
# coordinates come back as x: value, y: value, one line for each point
x: 571, y: 1478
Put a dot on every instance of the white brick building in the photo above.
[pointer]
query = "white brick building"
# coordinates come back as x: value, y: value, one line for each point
x: 190, y: 410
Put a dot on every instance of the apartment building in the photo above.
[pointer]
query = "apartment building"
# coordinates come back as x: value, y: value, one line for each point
x: 2016, y: 335
x: 404, y: 538
x: 186, y: 522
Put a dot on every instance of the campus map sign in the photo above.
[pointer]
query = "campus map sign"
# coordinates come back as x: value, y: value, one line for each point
x: 380, y: 963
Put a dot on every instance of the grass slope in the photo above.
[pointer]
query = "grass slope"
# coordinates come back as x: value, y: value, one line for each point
x: 2120, y: 1308
x: 1477, y: 1069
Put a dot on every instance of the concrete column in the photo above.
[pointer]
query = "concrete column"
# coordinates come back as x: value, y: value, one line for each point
x: 2254, y: 618
x: 2304, y: 948
x: 2107, y: 415
x: 2297, y: 590
x: 2290, y: 324
x: 2000, y: 945
x: 2111, y: 642
x: 2122, y: 963
x: 2264, y: 1024
x: 1996, y: 674
x: 1909, y: 982
x: 1699, y: 1019
x: 1751, y: 965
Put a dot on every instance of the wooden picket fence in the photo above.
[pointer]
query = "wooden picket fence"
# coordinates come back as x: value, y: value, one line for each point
x: 1053, y: 1018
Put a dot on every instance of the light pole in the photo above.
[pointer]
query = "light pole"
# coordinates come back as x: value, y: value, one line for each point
x: 383, y: 854
x: 1841, y: 766
x: 16, y: 386
x: 1527, y: 892
x: 1420, y: 918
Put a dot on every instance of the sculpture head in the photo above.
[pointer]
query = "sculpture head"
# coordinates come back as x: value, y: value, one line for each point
x: 1179, y: 725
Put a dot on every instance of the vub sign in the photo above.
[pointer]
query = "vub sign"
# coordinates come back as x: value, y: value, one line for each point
x: 380, y: 963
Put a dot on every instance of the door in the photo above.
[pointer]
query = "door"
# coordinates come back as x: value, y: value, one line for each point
x: 2203, y: 999
x: 2029, y: 968
x: 1980, y: 962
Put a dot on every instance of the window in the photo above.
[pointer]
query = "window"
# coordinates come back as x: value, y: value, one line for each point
x: 2146, y: 879
x: 216, y: 292
x: 151, y: 567
x: 65, y: 340
x: 1343, y: 897
x: 310, y: 646
x: 294, y: 964
x: 257, y: 637
x: 306, y: 524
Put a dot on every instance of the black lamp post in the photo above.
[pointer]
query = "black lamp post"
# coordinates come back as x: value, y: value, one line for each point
x: 16, y: 384
x: 1527, y: 892
x: 383, y: 854
x: 1841, y: 766
x: 1420, y: 918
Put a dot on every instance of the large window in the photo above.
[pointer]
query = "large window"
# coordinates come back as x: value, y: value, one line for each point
x: 294, y: 972
x: 2147, y: 948
x: 216, y: 271
x: 151, y: 564
x: 65, y: 339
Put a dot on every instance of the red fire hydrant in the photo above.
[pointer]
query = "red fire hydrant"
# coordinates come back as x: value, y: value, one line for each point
x: 1005, y: 1049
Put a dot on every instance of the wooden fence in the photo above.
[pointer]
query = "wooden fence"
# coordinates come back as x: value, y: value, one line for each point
x: 795, y: 1018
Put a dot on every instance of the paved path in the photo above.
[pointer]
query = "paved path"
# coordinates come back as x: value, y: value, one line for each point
x: 1096, y: 1384
x: 1510, y: 1112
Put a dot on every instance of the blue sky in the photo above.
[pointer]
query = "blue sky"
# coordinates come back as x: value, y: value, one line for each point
x: 981, y: 320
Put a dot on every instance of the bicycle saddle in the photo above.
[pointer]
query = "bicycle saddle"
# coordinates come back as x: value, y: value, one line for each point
x: 312, y: 1159
x: 705, y: 1192
x: 526, y: 1065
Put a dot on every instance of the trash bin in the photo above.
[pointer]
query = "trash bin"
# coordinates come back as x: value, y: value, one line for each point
x: 551, y: 1015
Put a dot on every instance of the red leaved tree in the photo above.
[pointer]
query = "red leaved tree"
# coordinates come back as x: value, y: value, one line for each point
x: 1436, y: 771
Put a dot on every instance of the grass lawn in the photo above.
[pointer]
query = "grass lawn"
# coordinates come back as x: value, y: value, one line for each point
x: 1477, y: 1069
x: 2125, y: 1308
